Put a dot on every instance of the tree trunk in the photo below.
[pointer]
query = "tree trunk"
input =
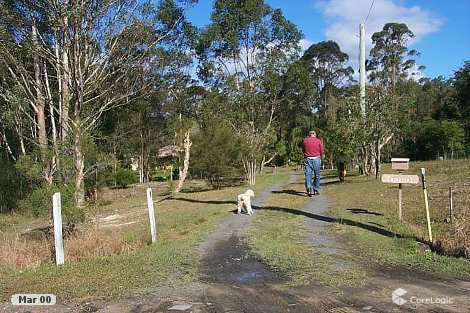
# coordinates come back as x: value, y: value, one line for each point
x: 48, y: 166
x: 40, y: 100
x: 183, y: 170
x: 19, y: 131
x: 141, y: 158
x: 65, y: 97
x: 379, y: 144
x: 377, y: 160
x: 79, y: 165
x: 364, y: 159
x: 250, y: 169
x: 51, y: 164
x: 266, y: 162
x: 4, y: 142
x: 77, y: 89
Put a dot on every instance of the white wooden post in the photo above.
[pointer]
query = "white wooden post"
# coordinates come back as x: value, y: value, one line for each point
x: 58, y: 239
x: 153, y: 227
x: 451, y: 206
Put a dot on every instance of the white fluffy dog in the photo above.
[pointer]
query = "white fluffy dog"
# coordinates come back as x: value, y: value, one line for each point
x: 244, y: 201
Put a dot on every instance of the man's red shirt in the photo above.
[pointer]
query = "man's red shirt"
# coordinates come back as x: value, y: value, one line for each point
x: 313, y: 147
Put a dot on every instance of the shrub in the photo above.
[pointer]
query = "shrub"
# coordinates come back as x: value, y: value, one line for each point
x: 20, y: 252
x: 120, y: 178
x: 11, y: 186
x: 39, y: 201
x: 124, y: 177
x: 217, y: 155
x: 94, y: 243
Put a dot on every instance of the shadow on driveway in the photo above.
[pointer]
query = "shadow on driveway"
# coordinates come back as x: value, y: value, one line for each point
x: 328, y: 219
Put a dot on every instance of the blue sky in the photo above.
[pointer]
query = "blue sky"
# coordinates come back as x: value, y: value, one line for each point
x: 441, y: 27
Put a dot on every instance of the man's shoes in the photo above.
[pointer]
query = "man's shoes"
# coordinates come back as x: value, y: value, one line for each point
x: 312, y: 192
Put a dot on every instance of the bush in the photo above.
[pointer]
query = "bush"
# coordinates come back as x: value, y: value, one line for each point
x: 120, y: 178
x: 39, y: 202
x: 216, y: 155
x: 11, y: 186
x: 124, y: 177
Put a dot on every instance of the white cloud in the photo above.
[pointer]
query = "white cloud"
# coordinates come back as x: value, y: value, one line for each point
x: 344, y: 16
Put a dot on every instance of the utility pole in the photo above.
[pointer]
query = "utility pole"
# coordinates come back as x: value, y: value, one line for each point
x: 362, y: 69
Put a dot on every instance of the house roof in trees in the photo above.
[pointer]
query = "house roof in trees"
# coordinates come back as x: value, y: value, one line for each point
x: 168, y: 151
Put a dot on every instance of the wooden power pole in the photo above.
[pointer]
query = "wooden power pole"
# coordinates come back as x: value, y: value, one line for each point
x: 362, y: 69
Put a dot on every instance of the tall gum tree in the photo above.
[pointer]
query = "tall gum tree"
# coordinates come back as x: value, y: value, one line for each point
x: 462, y: 86
x: 326, y: 64
x: 26, y: 87
x: 244, y: 52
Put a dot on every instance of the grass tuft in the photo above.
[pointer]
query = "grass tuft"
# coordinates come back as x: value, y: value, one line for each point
x: 20, y: 252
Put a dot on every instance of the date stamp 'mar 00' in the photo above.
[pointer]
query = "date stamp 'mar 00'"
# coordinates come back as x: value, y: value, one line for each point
x: 33, y: 299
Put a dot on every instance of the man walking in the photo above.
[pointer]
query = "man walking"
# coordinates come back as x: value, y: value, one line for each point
x: 313, y: 152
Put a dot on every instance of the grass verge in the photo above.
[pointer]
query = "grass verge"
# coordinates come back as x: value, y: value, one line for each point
x: 367, y: 209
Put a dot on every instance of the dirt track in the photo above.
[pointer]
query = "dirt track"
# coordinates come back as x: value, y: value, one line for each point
x: 231, y: 280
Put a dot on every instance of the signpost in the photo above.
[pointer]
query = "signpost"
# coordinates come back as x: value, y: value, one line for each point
x: 400, y: 179
x: 400, y: 164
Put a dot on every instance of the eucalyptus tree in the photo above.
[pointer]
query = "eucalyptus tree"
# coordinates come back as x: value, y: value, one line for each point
x: 244, y: 52
x: 462, y: 88
x: 443, y: 138
x: 183, y: 96
x: 78, y: 64
x: 22, y: 91
x: 326, y: 64
x: 391, y: 61
x: 387, y: 117
x: 297, y: 95
x: 435, y: 99
x: 327, y: 68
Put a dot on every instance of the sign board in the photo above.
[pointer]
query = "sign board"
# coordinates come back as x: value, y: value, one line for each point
x: 400, y: 179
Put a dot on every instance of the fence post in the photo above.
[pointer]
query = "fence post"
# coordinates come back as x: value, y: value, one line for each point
x: 153, y: 227
x: 451, y: 206
x: 58, y: 239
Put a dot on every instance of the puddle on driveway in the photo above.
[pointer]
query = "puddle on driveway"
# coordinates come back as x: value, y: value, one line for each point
x: 229, y: 262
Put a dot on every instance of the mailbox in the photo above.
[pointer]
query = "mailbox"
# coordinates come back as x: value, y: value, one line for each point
x: 400, y: 164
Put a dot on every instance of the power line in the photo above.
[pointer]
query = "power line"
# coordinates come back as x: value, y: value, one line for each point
x: 370, y: 9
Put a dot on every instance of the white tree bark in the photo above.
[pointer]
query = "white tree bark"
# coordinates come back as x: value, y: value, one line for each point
x: 183, y: 170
